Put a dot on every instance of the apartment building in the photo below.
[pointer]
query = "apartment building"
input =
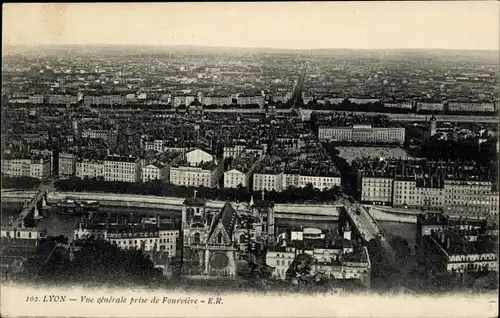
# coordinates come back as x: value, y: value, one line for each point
x: 430, y: 106
x: 240, y: 170
x: 337, y: 258
x: 89, y: 168
x: 408, y: 193
x: 457, y: 106
x: 280, y: 259
x: 156, y: 145
x: 24, y: 233
x: 16, y: 167
x: 121, y: 168
x: 399, y: 105
x: 268, y: 180
x: 183, y: 100
x: 39, y: 167
x: 455, y: 253
x: 363, y: 133
x: 281, y: 98
x: 494, y: 203
x: 196, y: 168
x: 363, y: 100
x: 233, y: 151
x: 459, y: 188
x: 469, y: 196
x: 319, y: 182
x: 61, y: 99
x: 143, y: 236
x: 247, y: 100
x: 36, y: 99
x: 105, y: 134
x: 453, y: 247
x: 104, y: 100
x: 216, y: 100
x: 148, y: 237
x: 376, y: 190
x: 67, y: 164
x: 154, y: 171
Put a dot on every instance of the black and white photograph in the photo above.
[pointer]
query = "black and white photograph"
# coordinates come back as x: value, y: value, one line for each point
x: 231, y: 159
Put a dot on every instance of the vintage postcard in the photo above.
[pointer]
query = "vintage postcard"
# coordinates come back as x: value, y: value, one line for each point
x: 276, y: 159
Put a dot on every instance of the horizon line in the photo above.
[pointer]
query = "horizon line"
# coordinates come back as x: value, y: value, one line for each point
x: 6, y: 46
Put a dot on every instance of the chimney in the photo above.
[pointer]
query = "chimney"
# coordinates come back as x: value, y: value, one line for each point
x: 442, y: 237
x: 447, y: 242
x: 143, y: 222
x: 157, y: 220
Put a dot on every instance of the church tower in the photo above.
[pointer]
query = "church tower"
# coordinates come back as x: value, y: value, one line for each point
x: 265, y: 210
x: 207, y: 239
x: 194, y: 228
x: 432, y: 125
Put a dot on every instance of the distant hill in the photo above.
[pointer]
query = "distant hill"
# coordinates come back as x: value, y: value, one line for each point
x: 137, y: 49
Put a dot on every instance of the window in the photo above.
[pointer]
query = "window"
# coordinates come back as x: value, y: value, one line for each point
x: 219, y: 238
x: 196, y: 238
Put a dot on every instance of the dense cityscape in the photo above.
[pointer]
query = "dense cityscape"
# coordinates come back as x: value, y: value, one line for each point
x: 259, y: 169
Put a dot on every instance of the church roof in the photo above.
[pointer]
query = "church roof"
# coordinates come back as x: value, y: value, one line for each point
x: 196, y: 102
x: 263, y: 204
x: 194, y: 201
x: 227, y: 216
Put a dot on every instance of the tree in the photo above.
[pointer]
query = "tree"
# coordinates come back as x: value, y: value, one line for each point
x: 252, y: 252
x: 96, y: 261
x: 401, y: 247
x: 301, y: 270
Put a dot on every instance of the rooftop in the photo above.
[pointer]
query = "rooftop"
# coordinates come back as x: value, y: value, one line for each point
x: 243, y: 162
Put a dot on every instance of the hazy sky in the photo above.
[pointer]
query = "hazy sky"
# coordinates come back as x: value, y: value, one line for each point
x: 450, y: 25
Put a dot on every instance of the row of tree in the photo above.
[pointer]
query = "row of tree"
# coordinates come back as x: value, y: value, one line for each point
x: 160, y: 188
x: 435, y: 149
x: 379, y: 107
x: 346, y: 105
x: 21, y: 182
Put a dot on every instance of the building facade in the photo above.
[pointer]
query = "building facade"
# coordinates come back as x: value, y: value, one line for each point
x: 89, y: 168
x: 375, y: 190
x: 39, y: 168
x: 154, y: 172
x: 67, y: 165
x: 268, y: 181
x: 362, y: 133
x: 208, y: 243
x: 124, y: 169
x: 196, y: 168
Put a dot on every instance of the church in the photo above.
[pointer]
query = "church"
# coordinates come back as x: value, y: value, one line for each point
x: 212, y: 239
